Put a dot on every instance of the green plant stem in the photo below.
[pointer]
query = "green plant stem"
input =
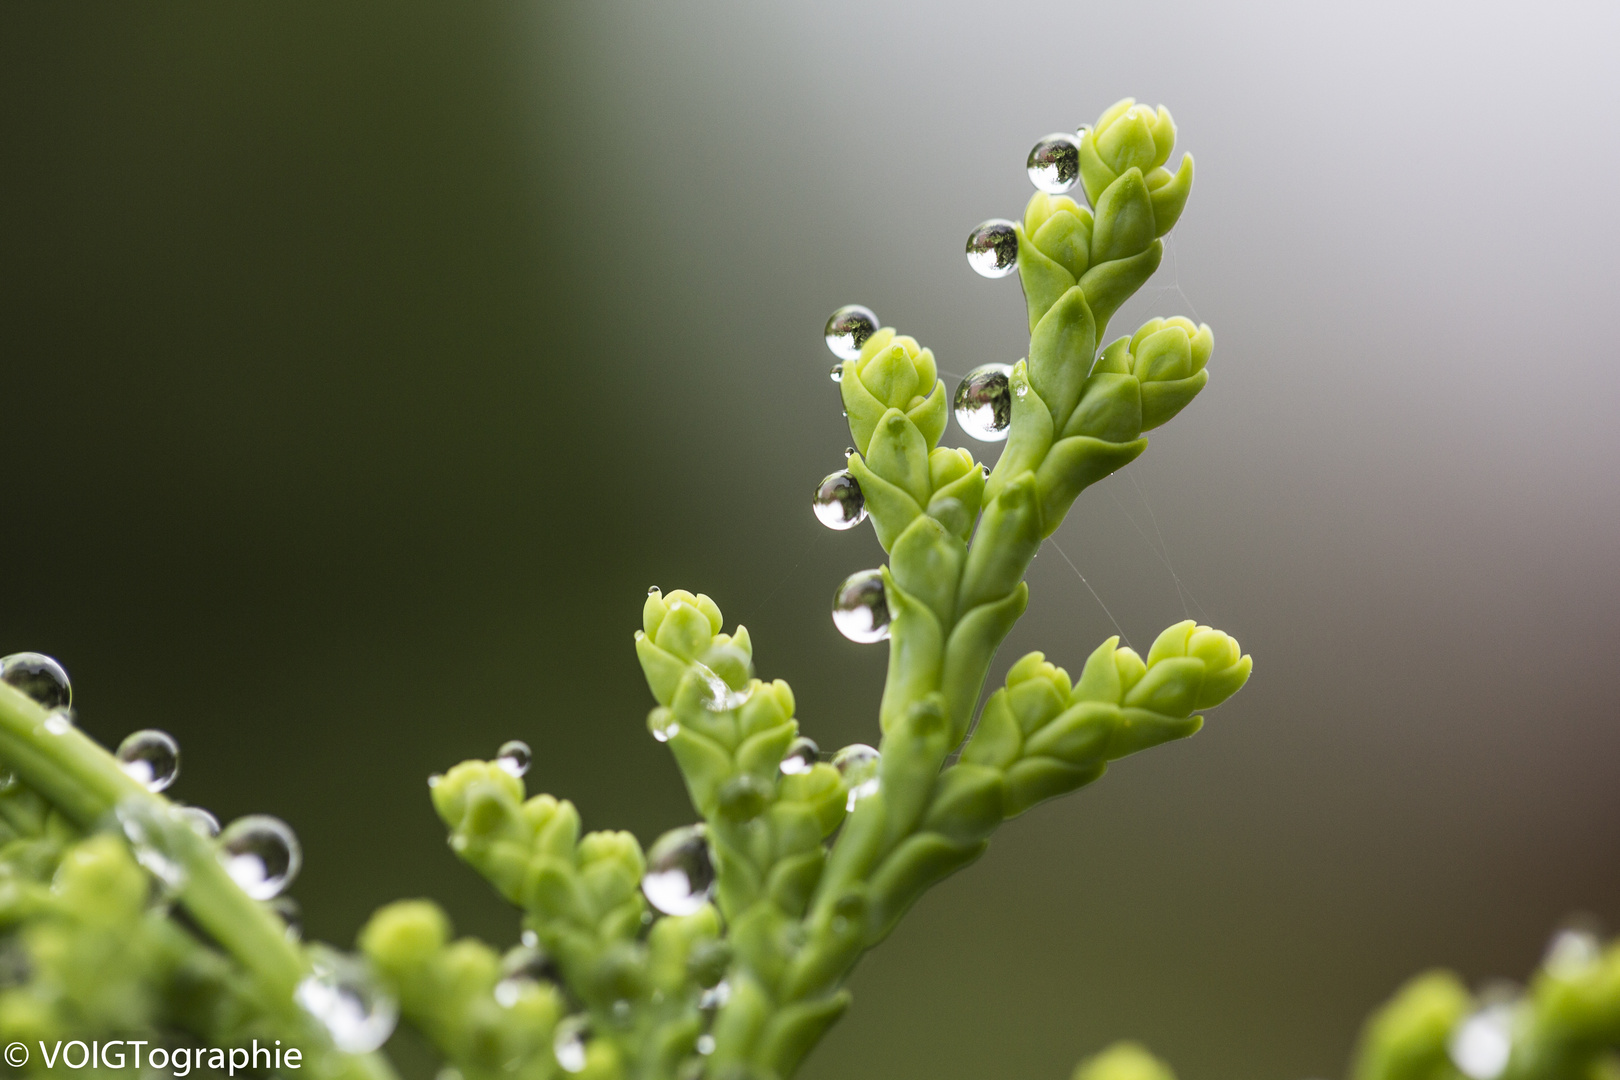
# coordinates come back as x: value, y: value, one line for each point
x: 86, y: 783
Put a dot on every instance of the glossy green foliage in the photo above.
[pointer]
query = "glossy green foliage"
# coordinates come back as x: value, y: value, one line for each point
x: 812, y: 862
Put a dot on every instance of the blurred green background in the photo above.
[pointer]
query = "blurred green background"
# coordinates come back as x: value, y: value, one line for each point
x: 364, y: 364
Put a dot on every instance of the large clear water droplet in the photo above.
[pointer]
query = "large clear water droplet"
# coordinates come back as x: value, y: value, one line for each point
x: 984, y: 402
x: 992, y: 248
x: 858, y: 765
x: 802, y: 755
x: 353, y: 1007
x: 1054, y: 163
x: 839, y: 503
x: 680, y: 871
x: 262, y: 855
x: 568, y: 1044
x: 38, y: 676
x: 1482, y: 1044
x: 860, y: 609
x: 848, y: 328
x: 151, y: 758
x: 514, y: 757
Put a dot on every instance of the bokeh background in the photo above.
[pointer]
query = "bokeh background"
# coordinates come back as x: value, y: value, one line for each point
x: 364, y: 364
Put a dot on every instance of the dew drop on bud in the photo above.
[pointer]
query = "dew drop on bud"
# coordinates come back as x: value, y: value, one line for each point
x: 1574, y: 950
x: 680, y: 871
x: 1481, y: 1045
x: 984, y: 402
x: 858, y: 765
x: 523, y: 969
x: 568, y: 1044
x: 261, y: 854
x: 839, y: 503
x: 837, y: 373
x: 341, y: 993
x: 148, y: 826
x: 203, y: 823
x: 848, y: 328
x: 860, y: 608
x: 801, y: 756
x: 151, y: 758
x: 291, y: 915
x: 992, y: 248
x: 714, y: 998
x: 38, y: 676
x: 514, y: 757
x: 1054, y: 163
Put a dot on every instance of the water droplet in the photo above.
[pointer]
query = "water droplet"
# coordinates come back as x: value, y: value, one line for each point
x: 705, y: 1044
x: 665, y: 727
x: 992, y: 248
x: 1482, y: 1044
x: 1574, y: 949
x: 514, y: 757
x: 341, y: 993
x: 655, y: 591
x: 839, y: 503
x: 59, y: 722
x: 1054, y: 163
x: 718, y: 695
x: 522, y: 969
x: 201, y: 822
x: 151, y: 758
x: 849, y: 452
x: 984, y: 402
x: 858, y: 765
x: 569, y: 1043
x: 801, y: 756
x: 291, y: 914
x: 38, y: 676
x: 837, y: 373
x: 262, y: 855
x: 848, y: 328
x: 860, y: 610
x: 680, y: 871
x: 530, y: 939
x: 435, y: 780
x: 148, y: 828
x: 715, y: 997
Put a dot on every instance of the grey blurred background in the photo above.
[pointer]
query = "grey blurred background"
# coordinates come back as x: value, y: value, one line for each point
x: 365, y: 363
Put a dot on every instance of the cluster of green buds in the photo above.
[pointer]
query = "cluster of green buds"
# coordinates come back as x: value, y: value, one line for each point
x: 722, y: 949
x: 1566, y: 1024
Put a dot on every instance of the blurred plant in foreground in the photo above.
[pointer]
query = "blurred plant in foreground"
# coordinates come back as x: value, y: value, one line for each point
x: 723, y: 948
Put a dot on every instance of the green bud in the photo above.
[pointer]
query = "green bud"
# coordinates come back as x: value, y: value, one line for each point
x: 1127, y: 136
x: 1168, y: 356
x: 685, y: 631
x: 1407, y: 1038
x: 99, y: 882
x: 404, y: 935
x: 476, y: 797
x: 893, y: 372
x: 1123, y: 1061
